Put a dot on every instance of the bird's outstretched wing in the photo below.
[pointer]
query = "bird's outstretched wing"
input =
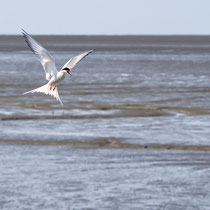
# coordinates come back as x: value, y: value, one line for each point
x: 43, y: 55
x: 73, y: 61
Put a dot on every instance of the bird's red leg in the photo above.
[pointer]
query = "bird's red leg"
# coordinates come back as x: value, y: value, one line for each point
x: 54, y: 88
x: 50, y: 87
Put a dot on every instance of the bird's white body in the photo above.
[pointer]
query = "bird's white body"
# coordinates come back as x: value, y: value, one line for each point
x: 53, y: 76
x: 57, y: 79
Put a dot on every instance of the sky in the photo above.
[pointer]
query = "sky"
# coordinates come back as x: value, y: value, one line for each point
x: 109, y: 17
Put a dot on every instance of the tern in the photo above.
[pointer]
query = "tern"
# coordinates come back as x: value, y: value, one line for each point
x: 53, y: 76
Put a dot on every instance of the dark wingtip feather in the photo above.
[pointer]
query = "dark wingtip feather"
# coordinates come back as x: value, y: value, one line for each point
x: 90, y: 51
x: 24, y: 32
x: 27, y: 41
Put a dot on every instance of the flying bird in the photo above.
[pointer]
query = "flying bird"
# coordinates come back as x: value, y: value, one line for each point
x: 53, y: 76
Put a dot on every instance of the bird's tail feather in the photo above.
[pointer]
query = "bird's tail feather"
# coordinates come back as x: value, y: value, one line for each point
x: 46, y: 90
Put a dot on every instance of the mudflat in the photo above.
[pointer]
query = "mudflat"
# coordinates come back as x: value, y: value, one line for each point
x: 133, y: 132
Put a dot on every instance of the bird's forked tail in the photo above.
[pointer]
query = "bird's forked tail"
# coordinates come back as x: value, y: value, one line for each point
x: 46, y: 90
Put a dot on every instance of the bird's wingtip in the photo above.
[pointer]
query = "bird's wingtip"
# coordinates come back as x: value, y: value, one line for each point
x: 90, y: 51
x: 23, y: 31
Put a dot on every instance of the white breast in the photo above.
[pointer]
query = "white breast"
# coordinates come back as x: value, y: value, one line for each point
x: 57, y: 79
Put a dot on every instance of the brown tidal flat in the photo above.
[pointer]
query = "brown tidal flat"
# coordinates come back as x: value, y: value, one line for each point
x: 127, y: 110
x: 107, y: 142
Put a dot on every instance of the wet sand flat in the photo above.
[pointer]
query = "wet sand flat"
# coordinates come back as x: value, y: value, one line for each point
x: 108, y: 143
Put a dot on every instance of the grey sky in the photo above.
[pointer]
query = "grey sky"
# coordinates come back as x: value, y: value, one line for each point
x: 105, y: 16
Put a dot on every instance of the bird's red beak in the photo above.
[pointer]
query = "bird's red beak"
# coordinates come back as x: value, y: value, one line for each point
x: 69, y: 73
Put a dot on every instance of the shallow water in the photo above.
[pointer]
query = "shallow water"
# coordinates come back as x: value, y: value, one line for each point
x: 133, y: 95
x: 122, y: 95
x: 58, y: 177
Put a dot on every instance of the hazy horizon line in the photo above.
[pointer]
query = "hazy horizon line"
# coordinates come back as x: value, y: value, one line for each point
x: 20, y: 34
